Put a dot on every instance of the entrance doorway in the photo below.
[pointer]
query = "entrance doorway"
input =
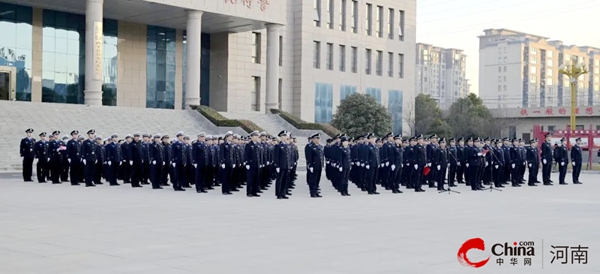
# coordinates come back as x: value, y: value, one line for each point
x: 8, y: 83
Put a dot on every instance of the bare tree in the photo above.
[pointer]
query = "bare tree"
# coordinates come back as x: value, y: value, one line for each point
x: 408, y: 116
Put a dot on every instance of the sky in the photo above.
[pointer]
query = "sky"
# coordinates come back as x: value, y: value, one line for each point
x: 457, y: 23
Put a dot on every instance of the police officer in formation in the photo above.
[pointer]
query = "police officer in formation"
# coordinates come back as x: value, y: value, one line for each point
x: 255, y: 161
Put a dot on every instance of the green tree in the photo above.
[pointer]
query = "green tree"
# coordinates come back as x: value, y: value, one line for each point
x: 358, y: 114
x: 469, y: 117
x: 428, y: 117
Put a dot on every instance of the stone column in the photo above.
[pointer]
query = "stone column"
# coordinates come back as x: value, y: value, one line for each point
x: 194, y: 53
x: 94, y: 43
x: 272, y: 102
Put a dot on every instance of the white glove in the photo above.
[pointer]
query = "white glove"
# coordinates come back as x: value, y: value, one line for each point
x: 467, y: 164
x: 362, y: 165
x: 48, y: 159
x: 268, y: 162
x: 496, y: 166
x: 84, y: 162
x: 486, y: 163
x: 277, y: 169
x: 109, y: 163
x: 247, y: 167
x: 530, y: 164
x: 340, y: 169
x: 164, y: 163
x: 223, y: 166
x: 69, y: 160
x: 439, y: 167
x: 311, y: 169
x: 381, y: 165
x: 173, y: 164
x: 513, y: 165
x: 327, y: 162
x: 124, y: 161
x: 544, y: 161
x: 573, y: 163
x: 154, y: 162
x: 458, y: 163
x: 562, y: 163
x: 416, y: 166
x: 393, y: 167
x: 195, y: 165
x: 130, y: 163
x: 387, y: 163
x: 357, y: 163
x: 233, y: 165
x: 479, y: 154
x: 429, y: 164
x: 368, y: 166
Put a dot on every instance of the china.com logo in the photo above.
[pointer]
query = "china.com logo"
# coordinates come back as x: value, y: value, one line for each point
x: 525, y: 248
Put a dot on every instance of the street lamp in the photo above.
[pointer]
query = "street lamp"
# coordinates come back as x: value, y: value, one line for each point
x: 573, y: 70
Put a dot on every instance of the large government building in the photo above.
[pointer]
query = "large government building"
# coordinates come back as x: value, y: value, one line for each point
x: 232, y: 55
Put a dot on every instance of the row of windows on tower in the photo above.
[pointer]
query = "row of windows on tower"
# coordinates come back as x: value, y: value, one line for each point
x: 354, y: 60
x: 374, y: 20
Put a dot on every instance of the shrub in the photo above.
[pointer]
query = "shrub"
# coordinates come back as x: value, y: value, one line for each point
x: 299, y: 124
x: 221, y: 121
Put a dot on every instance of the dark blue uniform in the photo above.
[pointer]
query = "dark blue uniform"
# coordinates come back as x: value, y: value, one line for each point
x: 440, y: 164
x: 136, y: 149
x: 561, y: 157
x: 113, y: 161
x: 476, y: 162
x: 546, y: 162
x: 54, y: 151
x: 283, y: 162
x: 498, y: 166
x: 419, y: 161
x: 125, y: 169
x: 314, y: 163
x: 576, y: 161
x: 99, y: 167
x: 396, y: 164
x: 156, y: 158
x: 200, y: 159
x: 252, y: 158
x: 28, y: 155
x: 460, y: 164
x: 533, y: 162
x: 73, y: 150
x: 88, y: 159
x: 407, y: 167
x: 178, y: 164
x: 452, y: 165
x: 515, y: 163
x: 372, y: 164
x: 345, y: 165
x: 507, y: 164
x: 41, y: 153
x: 226, y: 158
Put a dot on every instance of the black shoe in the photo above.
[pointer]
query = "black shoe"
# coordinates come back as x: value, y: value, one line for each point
x: 577, y: 183
x: 255, y: 195
x: 532, y: 184
x: 210, y: 188
x: 563, y: 183
x: 500, y: 186
x: 157, y: 187
x: 56, y: 183
x: 90, y: 185
x: 348, y: 194
x: 442, y: 189
x: 115, y: 184
x: 99, y: 183
x: 516, y: 185
x: 75, y: 184
x: 227, y: 193
x: 186, y: 186
x: 419, y: 190
x: 145, y: 183
x: 42, y: 182
x: 247, y: 195
x: 136, y: 186
x: 179, y: 189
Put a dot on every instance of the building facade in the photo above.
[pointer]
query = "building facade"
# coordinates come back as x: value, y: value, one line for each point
x: 519, y: 70
x: 441, y: 74
x: 303, y: 57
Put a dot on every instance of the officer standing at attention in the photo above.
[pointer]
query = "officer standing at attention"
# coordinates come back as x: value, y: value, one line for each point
x: 74, y: 157
x: 499, y: 163
x: 467, y: 160
x: 430, y: 150
x: 136, y: 149
x: 460, y: 160
x: 189, y: 169
x: 407, y: 157
x: 487, y: 169
x: 200, y: 162
x: 453, y: 162
x: 533, y: 162
x: 576, y: 160
x: 561, y: 157
x: 167, y: 169
x: 397, y: 164
x: 100, y: 160
x: 524, y: 157
x: 41, y: 153
x: 146, y: 138
x: 27, y: 154
x: 475, y: 166
x: 314, y: 155
x: 178, y: 162
x: 155, y: 155
x: 113, y: 160
x: 126, y: 158
x: 344, y: 161
x: 372, y: 164
x: 440, y: 163
x: 88, y: 158
x: 64, y: 164
x: 546, y: 160
x: 282, y: 161
x: 516, y: 163
x: 54, y: 152
x: 419, y: 161
x: 252, y: 160
x: 226, y: 163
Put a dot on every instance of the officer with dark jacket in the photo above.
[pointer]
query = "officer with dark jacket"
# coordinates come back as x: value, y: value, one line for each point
x: 533, y: 162
x: 372, y: 163
x: 168, y: 170
x: 155, y: 156
x: 113, y: 160
x: 146, y: 138
x: 576, y: 160
x: 313, y: 152
x: 41, y: 153
x: 561, y: 157
x: 515, y: 163
x: 26, y: 151
x: 475, y: 165
x: 54, y: 153
x: 100, y: 160
x: 430, y: 152
x: 498, y: 163
x: 419, y: 161
x: 344, y: 161
x: 397, y: 164
x: 199, y: 159
x: 252, y: 160
x: 88, y: 158
x: 467, y: 160
x: 283, y: 163
x: 452, y: 162
x: 178, y: 162
x: 460, y: 160
x: 74, y: 158
x: 546, y: 159
x: 136, y: 156
x: 407, y: 159
x: 226, y: 158
x: 440, y: 163
x: 507, y: 161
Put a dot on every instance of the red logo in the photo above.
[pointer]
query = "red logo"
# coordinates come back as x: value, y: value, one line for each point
x: 475, y: 243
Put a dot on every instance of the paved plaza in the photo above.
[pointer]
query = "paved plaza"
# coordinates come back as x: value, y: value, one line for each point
x: 63, y: 229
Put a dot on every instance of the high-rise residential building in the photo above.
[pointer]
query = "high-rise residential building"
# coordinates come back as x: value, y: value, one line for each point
x: 520, y: 70
x: 441, y: 74
x: 302, y: 57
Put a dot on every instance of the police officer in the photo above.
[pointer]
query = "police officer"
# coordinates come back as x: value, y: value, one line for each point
x: 252, y: 161
x: 41, y: 153
x: 546, y: 159
x: 576, y: 160
x: 562, y: 159
x: 64, y: 173
x: 507, y: 161
x: 524, y: 157
x: 453, y: 162
x: 397, y: 164
x: 386, y: 153
x: 226, y: 158
x: 430, y: 150
x: 460, y: 160
x: 199, y: 159
x: 498, y: 164
x: 475, y: 165
x: 533, y: 162
x: 26, y: 151
x: 88, y: 158
x: 155, y: 155
x: 487, y: 169
x: 113, y: 159
x: 419, y: 161
x: 440, y: 163
x: 100, y: 160
x: 126, y: 159
x: 74, y: 158
x: 168, y: 170
x: 515, y: 163
x: 136, y: 156
x: 283, y: 164
x: 407, y: 157
x: 344, y: 164
x: 313, y: 152
x: 146, y: 138
x: 178, y: 162
x: 54, y: 153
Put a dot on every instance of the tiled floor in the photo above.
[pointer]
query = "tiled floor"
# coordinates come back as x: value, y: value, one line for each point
x: 62, y: 229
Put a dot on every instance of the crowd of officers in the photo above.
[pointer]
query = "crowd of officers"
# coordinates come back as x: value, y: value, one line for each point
x: 256, y: 160
x: 392, y: 161
x: 230, y: 161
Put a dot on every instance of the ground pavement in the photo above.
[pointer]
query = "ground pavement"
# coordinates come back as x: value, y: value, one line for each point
x: 47, y: 228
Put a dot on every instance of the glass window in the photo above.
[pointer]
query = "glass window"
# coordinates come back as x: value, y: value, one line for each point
x: 395, y: 107
x: 110, y: 62
x: 354, y: 16
x: 317, y: 13
x: 401, y: 65
x: 15, y: 45
x: 390, y: 64
x: 549, y: 81
x: 499, y: 59
x: 379, y: 22
x: 533, y: 69
x: 63, y: 78
x: 549, y: 72
x: 549, y: 62
x: 346, y: 91
x: 280, y: 50
x: 499, y: 87
x: 375, y: 93
x: 390, y: 26
x: 533, y: 50
x: 256, y: 47
x: 379, y: 64
x: 317, y: 54
x: 401, y: 23
x: 330, y: 14
x: 499, y: 50
x: 329, y: 56
x: 368, y: 19
x: 504, y: 68
x: 499, y: 78
x: 505, y: 59
x: 255, y: 94
x: 323, y: 102
x: 549, y: 54
x: 499, y: 69
x: 368, y: 61
x: 160, y: 68
x: 342, y: 58
x: 343, y: 15
x: 533, y: 59
x: 354, y: 59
